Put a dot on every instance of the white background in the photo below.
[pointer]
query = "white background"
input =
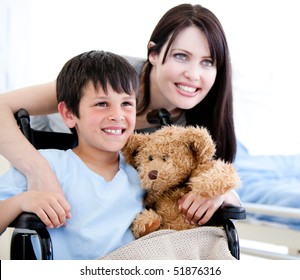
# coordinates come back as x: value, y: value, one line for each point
x: 38, y: 36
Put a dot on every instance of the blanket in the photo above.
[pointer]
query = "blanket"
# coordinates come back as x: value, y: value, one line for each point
x: 205, y: 243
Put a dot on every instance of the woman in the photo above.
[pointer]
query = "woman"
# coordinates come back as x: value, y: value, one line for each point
x: 187, y: 72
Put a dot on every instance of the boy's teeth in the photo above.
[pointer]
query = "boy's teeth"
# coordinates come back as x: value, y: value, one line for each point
x: 186, y: 88
x: 113, y: 131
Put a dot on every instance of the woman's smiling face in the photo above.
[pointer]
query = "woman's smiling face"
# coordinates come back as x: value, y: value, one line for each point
x: 187, y: 74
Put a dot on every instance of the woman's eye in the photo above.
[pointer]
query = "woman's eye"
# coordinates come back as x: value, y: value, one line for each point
x: 181, y: 56
x: 207, y: 63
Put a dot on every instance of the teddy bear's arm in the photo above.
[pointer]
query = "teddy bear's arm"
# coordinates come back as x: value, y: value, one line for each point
x: 214, y: 179
x: 145, y: 223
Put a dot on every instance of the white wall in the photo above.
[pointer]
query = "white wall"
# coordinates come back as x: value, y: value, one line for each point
x: 38, y: 36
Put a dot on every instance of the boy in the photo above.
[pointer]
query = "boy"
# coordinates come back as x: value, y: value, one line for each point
x: 96, y: 98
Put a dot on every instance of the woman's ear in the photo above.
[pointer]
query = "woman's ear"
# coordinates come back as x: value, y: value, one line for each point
x: 151, y: 45
x: 152, y: 55
x: 68, y: 117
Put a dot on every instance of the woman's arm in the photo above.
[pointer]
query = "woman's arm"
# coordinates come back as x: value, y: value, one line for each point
x: 37, y: 100
x: 199, y: 210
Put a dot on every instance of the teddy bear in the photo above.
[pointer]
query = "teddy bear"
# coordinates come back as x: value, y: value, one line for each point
x: 171, y: 162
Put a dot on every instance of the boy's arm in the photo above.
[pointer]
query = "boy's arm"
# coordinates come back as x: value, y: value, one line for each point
x: 9, y: 210
x: 50, y: 207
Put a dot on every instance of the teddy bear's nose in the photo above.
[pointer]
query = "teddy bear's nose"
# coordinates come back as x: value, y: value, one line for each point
x: 152, y: 174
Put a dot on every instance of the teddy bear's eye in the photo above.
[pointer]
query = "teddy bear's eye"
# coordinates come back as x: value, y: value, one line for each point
x: 150, y: 157
x: 165, y: 158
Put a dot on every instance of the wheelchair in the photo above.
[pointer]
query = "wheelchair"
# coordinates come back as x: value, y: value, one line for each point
x: 28, y: 226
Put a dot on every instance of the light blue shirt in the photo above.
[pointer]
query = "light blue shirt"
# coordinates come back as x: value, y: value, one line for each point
x: 102, y: 212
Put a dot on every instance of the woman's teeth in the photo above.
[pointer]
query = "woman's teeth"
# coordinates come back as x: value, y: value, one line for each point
x: 186, y: 88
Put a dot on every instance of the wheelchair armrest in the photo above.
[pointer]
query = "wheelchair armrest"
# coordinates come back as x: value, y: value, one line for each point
x: 230, y: 211
x: 227, y: 212
x: 27, y: 221
x: 222, y: 217
x: 26, y: 225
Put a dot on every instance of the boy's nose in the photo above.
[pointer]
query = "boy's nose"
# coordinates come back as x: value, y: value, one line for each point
x: 117, y: 117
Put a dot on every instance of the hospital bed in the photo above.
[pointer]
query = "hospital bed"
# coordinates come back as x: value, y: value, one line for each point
x: 270, y: 192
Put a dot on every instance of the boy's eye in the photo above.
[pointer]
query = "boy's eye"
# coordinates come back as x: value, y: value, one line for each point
x: 102, y: 104
x: 128, y: 103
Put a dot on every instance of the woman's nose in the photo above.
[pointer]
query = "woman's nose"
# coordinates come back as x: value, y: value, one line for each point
x: 192, y: 73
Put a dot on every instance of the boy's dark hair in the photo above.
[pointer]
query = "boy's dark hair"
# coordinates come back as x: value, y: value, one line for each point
x: 102, y: 69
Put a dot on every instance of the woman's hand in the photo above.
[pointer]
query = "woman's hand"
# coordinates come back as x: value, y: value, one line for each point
x: 42, y: 178
x: 199, y: 210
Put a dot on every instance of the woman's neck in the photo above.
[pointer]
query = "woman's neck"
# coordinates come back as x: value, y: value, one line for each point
x: 142, y: 119
x: 157, y: 101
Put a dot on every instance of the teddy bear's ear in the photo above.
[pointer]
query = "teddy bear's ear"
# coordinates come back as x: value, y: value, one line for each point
x: 201, y: 143
x: 135, y: 143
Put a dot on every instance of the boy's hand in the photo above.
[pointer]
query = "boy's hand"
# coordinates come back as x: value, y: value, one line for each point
x: 50, y: 207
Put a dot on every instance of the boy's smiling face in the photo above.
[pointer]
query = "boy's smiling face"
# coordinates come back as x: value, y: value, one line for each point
x: 105, y: 121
